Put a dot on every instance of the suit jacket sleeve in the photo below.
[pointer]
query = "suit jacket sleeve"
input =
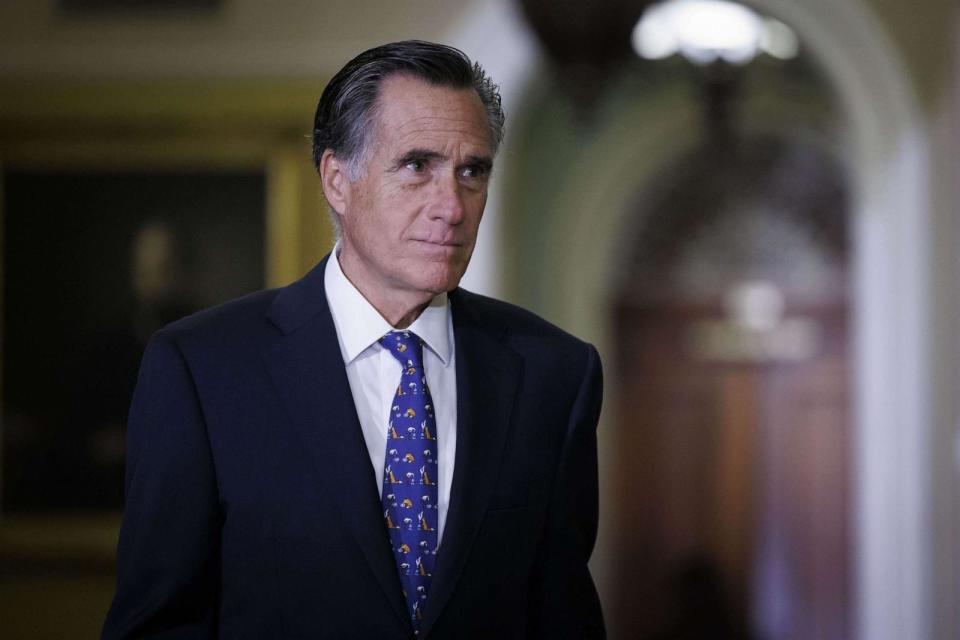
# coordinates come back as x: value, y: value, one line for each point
x: 564, y: 602
x: 168, y: 552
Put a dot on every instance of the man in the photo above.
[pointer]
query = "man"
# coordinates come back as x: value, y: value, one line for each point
x: 370, y: 452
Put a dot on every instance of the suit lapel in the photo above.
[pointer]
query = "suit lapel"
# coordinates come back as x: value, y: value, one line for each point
x: 307, y: 369
x: 487, y: 376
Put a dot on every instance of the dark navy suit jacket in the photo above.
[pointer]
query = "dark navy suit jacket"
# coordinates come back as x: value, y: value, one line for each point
x: 252, y: 510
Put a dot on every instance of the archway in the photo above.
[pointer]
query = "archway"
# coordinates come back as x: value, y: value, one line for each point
x: 732, y: 458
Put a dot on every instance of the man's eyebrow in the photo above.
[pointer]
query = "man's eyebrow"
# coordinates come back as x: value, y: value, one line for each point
x: 422, y: 155
x: 483, y: 161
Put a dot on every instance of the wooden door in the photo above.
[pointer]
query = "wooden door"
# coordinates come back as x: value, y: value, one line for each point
x: 731, y: 476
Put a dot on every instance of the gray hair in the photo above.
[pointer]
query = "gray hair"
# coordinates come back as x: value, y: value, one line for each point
x: 347, y: 109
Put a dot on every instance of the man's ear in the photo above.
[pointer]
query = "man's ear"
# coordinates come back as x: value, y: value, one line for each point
x: 336, y: 184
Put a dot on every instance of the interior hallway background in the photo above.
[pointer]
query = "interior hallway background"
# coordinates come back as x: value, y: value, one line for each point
x: 758, y: 237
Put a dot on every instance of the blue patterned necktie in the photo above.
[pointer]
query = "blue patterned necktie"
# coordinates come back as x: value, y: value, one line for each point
x: 409, y: 493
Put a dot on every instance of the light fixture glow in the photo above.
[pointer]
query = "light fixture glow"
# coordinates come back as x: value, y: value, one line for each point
x: 713, y: 24
x: 654, y: 39
x: 706, y: 30
x: 779, y: 40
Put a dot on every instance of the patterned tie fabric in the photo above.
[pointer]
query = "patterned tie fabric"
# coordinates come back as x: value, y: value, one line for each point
x: 409, y: 493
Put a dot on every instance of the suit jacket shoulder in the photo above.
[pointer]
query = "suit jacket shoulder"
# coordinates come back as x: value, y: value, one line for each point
x: 541, y: 344
x: 254, y: 321
x: 518, y: 320
x: 231, y: 321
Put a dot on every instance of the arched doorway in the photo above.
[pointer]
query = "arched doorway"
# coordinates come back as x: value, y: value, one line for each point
x: 733, y: 360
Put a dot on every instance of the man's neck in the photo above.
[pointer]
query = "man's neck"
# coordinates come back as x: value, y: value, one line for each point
x: 398, y: 308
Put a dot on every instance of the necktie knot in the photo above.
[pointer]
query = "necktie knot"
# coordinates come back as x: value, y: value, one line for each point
x: 405, y: 346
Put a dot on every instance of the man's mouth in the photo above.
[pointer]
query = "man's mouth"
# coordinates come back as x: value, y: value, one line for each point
x: 442, y: 243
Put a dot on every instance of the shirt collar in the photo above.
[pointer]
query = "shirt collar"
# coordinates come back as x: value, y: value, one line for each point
x: 360, y: 325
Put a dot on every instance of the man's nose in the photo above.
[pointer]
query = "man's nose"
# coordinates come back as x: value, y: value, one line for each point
x: 448, y: 204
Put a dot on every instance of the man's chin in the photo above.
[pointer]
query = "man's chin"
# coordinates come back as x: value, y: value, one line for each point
x: 439, y: 279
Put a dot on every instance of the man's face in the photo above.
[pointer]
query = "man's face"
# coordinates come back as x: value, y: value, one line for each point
x: 410, y: 223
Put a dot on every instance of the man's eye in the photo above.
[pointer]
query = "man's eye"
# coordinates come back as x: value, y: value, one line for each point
x: 416, y: 165
x: 474, y: 171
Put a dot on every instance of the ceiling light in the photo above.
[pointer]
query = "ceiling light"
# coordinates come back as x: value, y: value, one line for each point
x: 707, y: 30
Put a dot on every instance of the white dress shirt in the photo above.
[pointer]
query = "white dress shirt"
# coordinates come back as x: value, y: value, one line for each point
x: 373, y: 372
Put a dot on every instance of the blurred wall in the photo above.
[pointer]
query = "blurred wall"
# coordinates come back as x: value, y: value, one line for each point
x: 242, y: 38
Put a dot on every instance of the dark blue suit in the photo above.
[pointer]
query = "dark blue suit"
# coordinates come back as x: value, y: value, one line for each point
x: 252, y: 510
